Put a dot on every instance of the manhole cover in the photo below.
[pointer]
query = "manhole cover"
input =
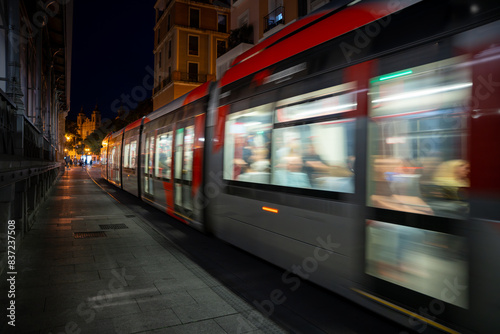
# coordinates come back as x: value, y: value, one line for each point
x: 85, y: 235
x: 113, y: 226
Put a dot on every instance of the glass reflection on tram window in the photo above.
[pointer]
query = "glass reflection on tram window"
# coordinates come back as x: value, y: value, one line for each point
x: 418, y: 140
x: 428, y: 262
x: 316, y: 156
x: 247, y: 145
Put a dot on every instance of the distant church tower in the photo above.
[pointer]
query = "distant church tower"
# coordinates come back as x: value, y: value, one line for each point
x: 80, y: 120
x: 96, y: 117
x: 87, y: 126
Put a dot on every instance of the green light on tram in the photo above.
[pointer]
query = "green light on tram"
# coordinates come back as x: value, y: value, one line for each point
x: 395, y: 75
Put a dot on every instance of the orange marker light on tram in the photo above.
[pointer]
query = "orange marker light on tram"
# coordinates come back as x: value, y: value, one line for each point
x: 265, y: 208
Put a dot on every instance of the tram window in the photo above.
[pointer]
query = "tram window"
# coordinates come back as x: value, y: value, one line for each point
x: 188, y: 153
x: 317, y: 156
x: 178, y: 153
x: 247, y: 145
x: 129, y: 154
x: 328, y: 101
x: 163, y: 161
x: 126, y: 155
x: 149, y: 154
x: 418, y: 140
x: 418, y: 259
x: 133, y: 154
x: 112, y: 158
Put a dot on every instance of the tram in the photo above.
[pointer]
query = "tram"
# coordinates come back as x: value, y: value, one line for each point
x: 356, y: 148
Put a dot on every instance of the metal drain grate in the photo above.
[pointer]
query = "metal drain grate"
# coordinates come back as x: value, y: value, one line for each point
x: 113, y: 226
x: 85, y: 235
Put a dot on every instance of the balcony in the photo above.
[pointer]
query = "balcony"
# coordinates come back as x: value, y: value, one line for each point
x: 276, y: 17
x: 185, y: 77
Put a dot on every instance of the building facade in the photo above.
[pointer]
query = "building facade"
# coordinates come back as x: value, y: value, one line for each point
x: 88, y: 125
x: 189, y: 37
x: 35, y: 73
x: 35, y: 70
x: 265, y: 17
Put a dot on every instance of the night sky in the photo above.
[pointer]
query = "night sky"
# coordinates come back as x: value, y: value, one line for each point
x: 112, y: 61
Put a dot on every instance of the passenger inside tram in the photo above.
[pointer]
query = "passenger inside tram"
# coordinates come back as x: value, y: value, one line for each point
x: 292, y: 175
x: 449, y: 190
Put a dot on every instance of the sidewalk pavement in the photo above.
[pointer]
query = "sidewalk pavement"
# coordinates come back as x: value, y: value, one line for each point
x: 121, y: 276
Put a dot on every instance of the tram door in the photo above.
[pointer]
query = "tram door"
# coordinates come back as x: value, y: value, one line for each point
x: 183, y: 168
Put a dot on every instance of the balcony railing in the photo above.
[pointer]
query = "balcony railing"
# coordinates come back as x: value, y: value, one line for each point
x: 274, y: 18
x: 183, y: 76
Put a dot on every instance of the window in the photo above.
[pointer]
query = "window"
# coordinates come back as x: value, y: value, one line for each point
x: 129, y: 154
x: 418, y: 140
x: 194, y: 18
x: 163, y: 161
x: 221, y: 47
x: 316, y: 156
x: 193, y: 71
x: 221, y: 23
x: 158, y: 36
x: 126, y: 156
x: 247, y: 145
x: 193, y: 42
x: 133, y: 154
x: 169, y: 49
x: 149, y: 154
x: 188, y: 153
x: 148, y: 163
x: 418, y: 259
x: 312, y: 147
x: 159, y: 59
x: 178, y: 153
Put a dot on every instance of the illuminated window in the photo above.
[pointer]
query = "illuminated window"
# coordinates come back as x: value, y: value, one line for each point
x: 418, y: 140
x: 309, y: 145
x: 126, y: 156
x: 247, y: 145
x: 418, y: 259
x: 133, y: 154
x: 188, y: 153
x: 163, y: 161
x: 316, y: 156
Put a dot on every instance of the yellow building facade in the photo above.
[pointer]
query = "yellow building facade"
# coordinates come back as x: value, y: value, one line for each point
x: 189, y: 37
